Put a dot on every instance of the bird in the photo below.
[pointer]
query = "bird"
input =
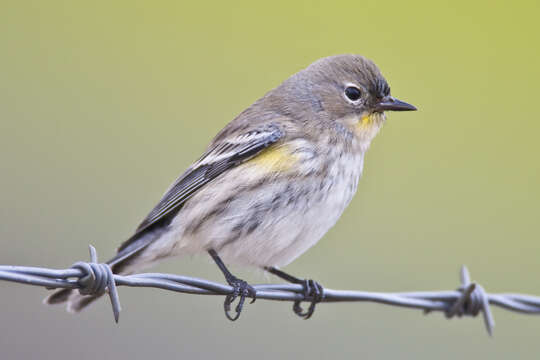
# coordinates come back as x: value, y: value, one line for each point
x: 270, y: 184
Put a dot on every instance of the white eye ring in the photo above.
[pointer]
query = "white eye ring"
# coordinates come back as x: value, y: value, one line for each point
x: 353, y: 93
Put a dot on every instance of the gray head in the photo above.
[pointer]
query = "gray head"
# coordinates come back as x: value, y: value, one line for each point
x: 333, y: 88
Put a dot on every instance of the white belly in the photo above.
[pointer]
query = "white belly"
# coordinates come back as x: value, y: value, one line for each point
x: 266, y: 225
x: 261, y: 224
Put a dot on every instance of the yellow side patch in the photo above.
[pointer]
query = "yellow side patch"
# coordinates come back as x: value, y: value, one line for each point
x: 275, y: 159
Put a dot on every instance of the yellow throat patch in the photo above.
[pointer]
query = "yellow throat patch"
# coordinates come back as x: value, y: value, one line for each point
x: 370, y: 122
x: 365, y: 122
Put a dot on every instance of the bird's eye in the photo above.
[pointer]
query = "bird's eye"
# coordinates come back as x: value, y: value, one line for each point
x: 353, y: 93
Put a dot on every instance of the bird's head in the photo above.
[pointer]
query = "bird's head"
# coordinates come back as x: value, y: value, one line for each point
x: 349, y: 89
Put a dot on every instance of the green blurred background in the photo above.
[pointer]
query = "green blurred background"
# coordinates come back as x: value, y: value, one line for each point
x: 103, y: 104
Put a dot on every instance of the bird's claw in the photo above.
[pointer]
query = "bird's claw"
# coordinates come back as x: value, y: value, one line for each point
x: 313, y: 292
x: 240, y: 289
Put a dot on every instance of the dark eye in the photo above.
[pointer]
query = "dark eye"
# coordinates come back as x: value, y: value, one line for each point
x: 353, y: 93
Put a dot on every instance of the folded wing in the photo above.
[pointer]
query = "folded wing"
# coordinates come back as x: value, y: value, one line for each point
x: 222, y: 156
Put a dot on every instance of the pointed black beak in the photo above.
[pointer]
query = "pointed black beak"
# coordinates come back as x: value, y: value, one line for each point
x: 389, y: 103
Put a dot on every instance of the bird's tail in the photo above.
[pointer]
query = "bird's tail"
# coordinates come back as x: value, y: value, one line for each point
x: 126, y: 262
x: 75, y: 301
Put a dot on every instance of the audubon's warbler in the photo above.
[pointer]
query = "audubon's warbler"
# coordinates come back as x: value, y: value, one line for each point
x: 271, y: 183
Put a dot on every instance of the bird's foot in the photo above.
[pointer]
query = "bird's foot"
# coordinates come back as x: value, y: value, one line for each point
x: 313, y: 292
x: 242, y: 290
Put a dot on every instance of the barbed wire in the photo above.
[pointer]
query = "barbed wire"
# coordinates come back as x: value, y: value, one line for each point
x: 93, y: 278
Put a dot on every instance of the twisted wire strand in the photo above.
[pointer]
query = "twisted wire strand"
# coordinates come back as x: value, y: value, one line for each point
x: 93, y: 278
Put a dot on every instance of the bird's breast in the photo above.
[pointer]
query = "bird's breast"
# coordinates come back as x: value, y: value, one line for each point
x: 273, y: 208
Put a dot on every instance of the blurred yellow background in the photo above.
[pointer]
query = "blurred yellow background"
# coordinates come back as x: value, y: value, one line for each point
x: 103, y: 104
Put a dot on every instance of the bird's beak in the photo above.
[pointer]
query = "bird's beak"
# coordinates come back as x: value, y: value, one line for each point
x: 389, y: 103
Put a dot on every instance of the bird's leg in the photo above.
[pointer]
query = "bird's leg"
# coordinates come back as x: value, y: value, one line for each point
x: 240, y: 288
x: 313, y: 291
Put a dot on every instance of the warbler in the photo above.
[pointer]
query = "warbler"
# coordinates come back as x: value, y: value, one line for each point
x: 271, y: 183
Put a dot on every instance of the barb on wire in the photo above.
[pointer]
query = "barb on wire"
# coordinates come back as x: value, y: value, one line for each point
x: 93, y: 278
x: 97, y: 279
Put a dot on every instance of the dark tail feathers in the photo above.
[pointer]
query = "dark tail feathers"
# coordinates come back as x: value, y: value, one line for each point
x: 125, y: 263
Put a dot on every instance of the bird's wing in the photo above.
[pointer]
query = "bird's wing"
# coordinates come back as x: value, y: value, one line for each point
x: 222, y: 156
